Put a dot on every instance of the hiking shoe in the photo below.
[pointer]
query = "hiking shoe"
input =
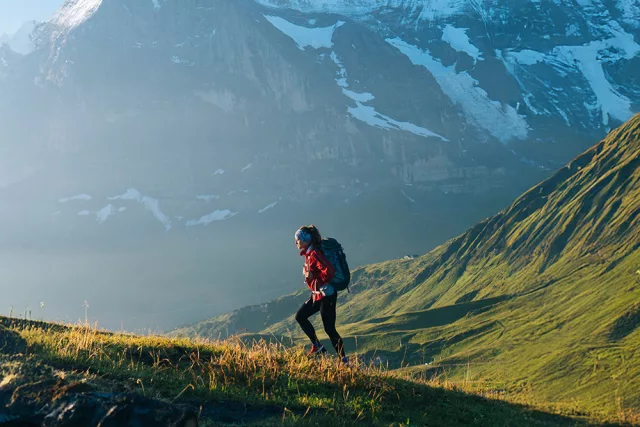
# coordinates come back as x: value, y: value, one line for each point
x: 345, y: 361
x: 317, y: 349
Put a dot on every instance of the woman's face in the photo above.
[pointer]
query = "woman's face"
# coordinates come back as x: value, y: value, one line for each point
x: 302, y: 245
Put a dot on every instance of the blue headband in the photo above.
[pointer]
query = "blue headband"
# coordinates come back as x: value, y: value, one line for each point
x: 303, y: 236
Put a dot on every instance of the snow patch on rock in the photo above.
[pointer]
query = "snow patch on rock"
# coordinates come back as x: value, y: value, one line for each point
x: 104, y: 213
x: 73, y: 13
x: 76, y: 197
x: 525, y: 57
x: 407, y: 196
x: 368, y: 114
x: 266, y: 208
x: 459, y: 40
x: 304, y: 36
x: 630, y: 12
x: 588, y: 60
x: 151, y: 204
x: 217, y: 215
x: 500, y: 120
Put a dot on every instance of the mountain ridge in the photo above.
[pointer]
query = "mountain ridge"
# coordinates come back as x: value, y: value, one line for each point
x: 182, y: 123
x: 531, y: 294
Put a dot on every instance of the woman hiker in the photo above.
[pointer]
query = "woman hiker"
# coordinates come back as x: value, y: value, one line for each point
x: 318, y: 272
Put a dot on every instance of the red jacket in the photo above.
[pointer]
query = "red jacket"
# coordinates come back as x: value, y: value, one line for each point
x: 320, y: 268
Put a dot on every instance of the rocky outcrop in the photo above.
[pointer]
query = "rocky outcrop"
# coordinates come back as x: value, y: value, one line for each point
x: 33, y: 394
x: 56, y: 404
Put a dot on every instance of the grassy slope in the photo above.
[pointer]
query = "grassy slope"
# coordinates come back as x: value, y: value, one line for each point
x: 546, y: 291
x: 263, y: 384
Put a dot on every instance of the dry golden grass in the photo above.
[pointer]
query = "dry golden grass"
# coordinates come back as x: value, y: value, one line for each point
x: 298, y: 388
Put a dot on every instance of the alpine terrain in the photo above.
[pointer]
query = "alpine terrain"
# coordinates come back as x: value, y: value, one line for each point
x: 156, y: 156
x: 541, y: 299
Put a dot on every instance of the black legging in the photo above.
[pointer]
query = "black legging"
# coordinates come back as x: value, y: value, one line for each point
x: 327, y: 308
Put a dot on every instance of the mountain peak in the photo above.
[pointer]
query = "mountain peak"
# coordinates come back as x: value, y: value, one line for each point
x: 75, y: 12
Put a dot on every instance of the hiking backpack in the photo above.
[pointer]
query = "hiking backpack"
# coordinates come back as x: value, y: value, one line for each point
x: 334, y: 253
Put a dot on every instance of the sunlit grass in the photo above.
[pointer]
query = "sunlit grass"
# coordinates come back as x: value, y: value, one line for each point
x: 304, y: 390
x: 541, y: 298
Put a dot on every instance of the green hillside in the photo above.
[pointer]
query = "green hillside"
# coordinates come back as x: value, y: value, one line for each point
x: 77, y: 376
x: 542, y: 299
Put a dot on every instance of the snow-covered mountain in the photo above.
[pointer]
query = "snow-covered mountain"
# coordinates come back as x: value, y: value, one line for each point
x: 539, y: 46
x: 219, y: 126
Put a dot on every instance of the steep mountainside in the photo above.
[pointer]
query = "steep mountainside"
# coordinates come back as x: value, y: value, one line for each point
x: 542, y: 296
x: 176, y: 137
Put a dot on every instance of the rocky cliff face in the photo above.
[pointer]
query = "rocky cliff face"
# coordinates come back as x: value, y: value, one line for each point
x: 155, y: 117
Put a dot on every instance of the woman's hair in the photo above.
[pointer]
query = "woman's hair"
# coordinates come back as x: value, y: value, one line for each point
x: 316, y: 238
